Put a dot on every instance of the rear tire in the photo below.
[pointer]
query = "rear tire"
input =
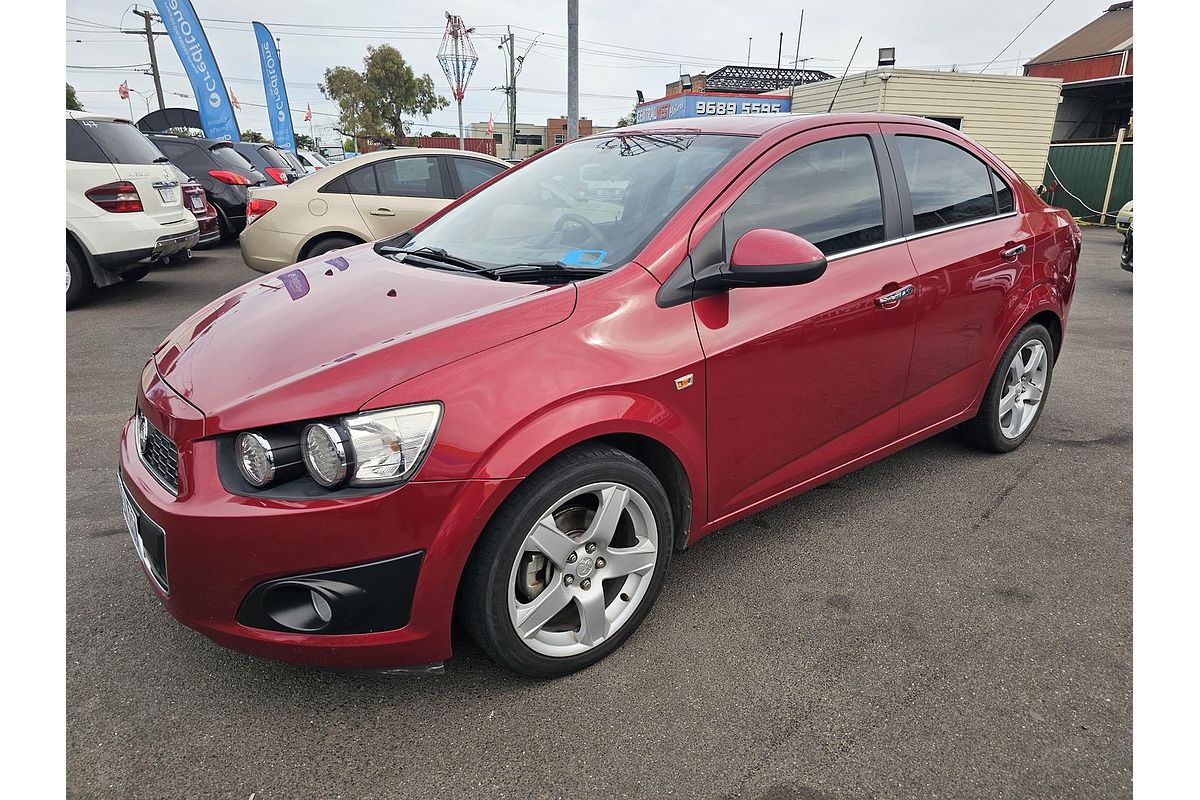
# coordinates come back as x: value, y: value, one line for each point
x: 328, y: 245
x: 600, y: 601
x: 79, y: 278
x: 1016, y: 393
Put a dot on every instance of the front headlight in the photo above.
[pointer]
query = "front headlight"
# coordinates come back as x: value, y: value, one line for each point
x: 387, y: 446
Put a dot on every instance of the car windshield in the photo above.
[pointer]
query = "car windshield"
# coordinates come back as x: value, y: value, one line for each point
x: 592, y: 203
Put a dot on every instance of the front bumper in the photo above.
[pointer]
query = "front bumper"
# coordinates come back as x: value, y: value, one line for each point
x: 221, y: 548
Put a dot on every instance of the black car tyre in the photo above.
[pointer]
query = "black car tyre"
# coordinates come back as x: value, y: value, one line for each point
x: 79, y: 278
x: 328, y: 245
x: 1016, y: 393
x: 570, y: 565
x: 135, y: 275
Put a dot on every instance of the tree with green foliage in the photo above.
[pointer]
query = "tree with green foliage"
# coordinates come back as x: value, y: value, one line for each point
x: 253, y: 136
x: 73, y: 103
x: 305, y: 142
x: 375, y: 102
x: 628, y: 119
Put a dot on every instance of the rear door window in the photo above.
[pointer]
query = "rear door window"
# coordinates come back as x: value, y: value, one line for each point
x: 1004, y: 195
x: 828, y: 192
x: 120, y: 142
x: 948, y: 185
x: 362, y: 181
x: 177, y: 151
x: 473, y: 171
x: 412, y: 176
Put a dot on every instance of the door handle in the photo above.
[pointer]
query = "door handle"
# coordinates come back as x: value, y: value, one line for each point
x: 1013, y: 252
x: 894, y: 297
x: 383, y: 212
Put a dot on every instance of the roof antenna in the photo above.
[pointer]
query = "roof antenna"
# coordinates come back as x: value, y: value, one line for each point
x: 843, y: 80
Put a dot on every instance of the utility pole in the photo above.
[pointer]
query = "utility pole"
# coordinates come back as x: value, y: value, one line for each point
x: 749, y: 44
x: 572, y: 70
x: 150, y: 33
x: 779, y: 56
x: 512, y: 95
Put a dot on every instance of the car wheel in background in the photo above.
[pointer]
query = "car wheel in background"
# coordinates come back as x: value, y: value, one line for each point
x: 1016, y: 393
x: 328, y: 245
x: 79, y: 278
x: 571, y: 563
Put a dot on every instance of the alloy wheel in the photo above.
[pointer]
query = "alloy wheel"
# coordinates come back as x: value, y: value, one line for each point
x: 583, y: 569
x: 1024, y: 386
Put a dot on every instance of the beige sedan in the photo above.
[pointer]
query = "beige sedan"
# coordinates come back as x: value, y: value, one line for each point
x: 361, y: 199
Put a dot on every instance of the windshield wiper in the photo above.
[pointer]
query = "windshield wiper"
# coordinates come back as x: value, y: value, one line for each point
x: 549, y: 269
x: 434, y: 257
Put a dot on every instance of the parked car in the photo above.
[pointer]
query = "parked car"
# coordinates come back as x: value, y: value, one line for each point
x: 518, y: 414
x: 269, y: 160
x: 296, y: 164
x: 223, y: 172
x: 196, y: 200
x: 1124, y: 217
x: 124, y: 205
x: 311, y: 160
x: 1127, y: 250
x: 369, y: 197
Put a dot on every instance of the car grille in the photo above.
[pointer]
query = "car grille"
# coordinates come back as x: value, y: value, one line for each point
x: 161, y: 457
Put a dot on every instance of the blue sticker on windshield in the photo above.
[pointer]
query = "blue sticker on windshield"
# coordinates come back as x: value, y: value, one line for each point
x: 584, y: 258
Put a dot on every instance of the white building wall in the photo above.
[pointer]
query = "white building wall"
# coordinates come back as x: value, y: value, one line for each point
x: 1012, y: 116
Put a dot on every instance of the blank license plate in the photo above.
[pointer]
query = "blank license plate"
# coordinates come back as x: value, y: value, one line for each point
x: 167, y: 194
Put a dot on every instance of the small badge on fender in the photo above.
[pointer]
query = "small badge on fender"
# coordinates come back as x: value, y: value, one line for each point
x: 684, y: 381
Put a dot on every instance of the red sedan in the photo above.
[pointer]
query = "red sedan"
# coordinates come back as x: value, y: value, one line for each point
x: 515, y: 412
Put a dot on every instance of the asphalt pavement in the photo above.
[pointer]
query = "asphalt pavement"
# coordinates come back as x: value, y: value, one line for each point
x: 941, y: 624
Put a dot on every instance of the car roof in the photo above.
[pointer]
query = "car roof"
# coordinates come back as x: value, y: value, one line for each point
x: 760, y: 124
x: 422, y: 151
x: 87, y: 115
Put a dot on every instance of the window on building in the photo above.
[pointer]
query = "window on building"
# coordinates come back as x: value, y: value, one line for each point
x: 529, y: 138
x: 827, y: 192
x: 559, y: 138
x: 498, y: 138
x: 947, y: 184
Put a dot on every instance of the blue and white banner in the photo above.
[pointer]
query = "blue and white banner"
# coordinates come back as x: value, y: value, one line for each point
x: 212, y: 101
x: 712, y: 105
x: 277, y: 100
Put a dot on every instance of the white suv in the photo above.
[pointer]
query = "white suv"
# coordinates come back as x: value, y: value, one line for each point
x: 124, y: 206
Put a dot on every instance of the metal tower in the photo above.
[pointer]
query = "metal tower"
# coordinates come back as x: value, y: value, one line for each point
x: 458, y: 59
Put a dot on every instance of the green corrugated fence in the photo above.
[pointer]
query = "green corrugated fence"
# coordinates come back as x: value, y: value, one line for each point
x: 1083, y: 169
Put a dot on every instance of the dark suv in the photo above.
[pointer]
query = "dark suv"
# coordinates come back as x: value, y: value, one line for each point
x: 269, y: 160
x: 223, y: 172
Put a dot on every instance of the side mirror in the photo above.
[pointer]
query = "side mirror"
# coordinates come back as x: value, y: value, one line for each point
x: 768, y: 257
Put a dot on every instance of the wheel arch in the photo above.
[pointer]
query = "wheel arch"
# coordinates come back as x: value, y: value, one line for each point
x: 310, y: 243
x: 1041, y: 304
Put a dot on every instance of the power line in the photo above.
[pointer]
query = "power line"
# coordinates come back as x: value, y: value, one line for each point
x: 1018, y: 36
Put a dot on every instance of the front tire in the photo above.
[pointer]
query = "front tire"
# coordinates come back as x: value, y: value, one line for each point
x: 1015, y: 395
x: 570, y: 565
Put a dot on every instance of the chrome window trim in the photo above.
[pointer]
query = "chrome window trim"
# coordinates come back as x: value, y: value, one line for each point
x: 958, y: 225
x: 880, y: 245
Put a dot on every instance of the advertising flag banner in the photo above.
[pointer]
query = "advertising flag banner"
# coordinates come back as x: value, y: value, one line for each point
x: 277, y: 99
x: 212, y: 101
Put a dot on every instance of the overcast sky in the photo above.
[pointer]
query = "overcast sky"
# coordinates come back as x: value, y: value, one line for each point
x: 624, y: 46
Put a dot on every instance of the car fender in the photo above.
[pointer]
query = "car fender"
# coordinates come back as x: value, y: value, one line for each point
x: 1042, y: 296
x: 536, y: 441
